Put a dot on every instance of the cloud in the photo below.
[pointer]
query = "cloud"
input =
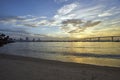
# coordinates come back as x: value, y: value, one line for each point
x: 67, y: 9
x: 60, y: 1
x: 78, y: 30
x: 104, y: 14
x: 75, y: 17
x: 72, y: 18
x: 72, y: 21
x: 10, y: 19
x: 77, y: 25
x: 86, y: 12
x: 72, y: 11
x: 78, y: 11
x: 109, y: 12
x: 71, y: 24
x: 28, y: 20
x: 43, y: 17
x: 86, y: 16
x: 91, y: 24
x: 66, y: 12
x: 15, y: 30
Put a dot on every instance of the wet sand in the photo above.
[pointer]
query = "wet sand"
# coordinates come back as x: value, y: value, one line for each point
x: 27, y: 68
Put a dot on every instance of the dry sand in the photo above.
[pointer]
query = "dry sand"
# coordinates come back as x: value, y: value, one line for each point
x: 26, y: 68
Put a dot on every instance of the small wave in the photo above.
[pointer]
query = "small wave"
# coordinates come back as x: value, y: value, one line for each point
x: 77, y: 54
x: 95, y: 47
x: 95, y: 55
x: 87, y: 55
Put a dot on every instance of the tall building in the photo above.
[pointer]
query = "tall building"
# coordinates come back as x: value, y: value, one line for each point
x: 33, y: 40
x: 27, y: 39
x: 21, y: 39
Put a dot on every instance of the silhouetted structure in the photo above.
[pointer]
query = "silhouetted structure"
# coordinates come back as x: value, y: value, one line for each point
x: 27, y: 39
x: 90, y: 39
x: 100, y: 39
x: 33, y: 40
x: 38, y: 40
x: 21, y: 39
x: 5, y: 39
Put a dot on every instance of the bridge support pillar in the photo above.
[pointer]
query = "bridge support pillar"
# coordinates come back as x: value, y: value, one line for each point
x: 98, y: 39
x: 112, y: 38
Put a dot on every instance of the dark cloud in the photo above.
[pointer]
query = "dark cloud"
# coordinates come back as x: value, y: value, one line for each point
x: 69, y: 26
x: 9, y: 18
x: 91, y: 24
x: 29, y: 21
x: 19, y: 20
x: 72, y: 21
x: 77, y: 25
x: 76, y: 30
x: 31, y: 25
x: 15, y: 30
x: 14, y: 20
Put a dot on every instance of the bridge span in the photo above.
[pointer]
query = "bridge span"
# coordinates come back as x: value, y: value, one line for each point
x: 100, y: 39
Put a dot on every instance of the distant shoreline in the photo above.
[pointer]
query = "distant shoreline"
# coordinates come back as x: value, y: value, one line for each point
x: 65, y: 41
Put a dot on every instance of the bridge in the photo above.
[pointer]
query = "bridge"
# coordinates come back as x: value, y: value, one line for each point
x: 99, y: 39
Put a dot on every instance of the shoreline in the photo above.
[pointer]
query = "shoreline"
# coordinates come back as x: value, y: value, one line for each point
x: 33, y: 59
x: 13, y: 67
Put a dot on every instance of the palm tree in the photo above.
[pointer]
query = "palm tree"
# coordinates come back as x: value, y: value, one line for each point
x: 4, y: 39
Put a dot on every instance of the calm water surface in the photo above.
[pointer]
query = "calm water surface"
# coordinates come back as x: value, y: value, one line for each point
x: 97, y: 53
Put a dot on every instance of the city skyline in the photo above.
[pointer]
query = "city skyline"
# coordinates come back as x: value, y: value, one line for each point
x: 60, y: 19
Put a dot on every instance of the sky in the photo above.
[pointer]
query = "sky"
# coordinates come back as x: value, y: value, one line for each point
x: 59, y: 19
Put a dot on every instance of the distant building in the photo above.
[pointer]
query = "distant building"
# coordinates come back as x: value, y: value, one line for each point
x: 33, y: 40
x: 21, y: 39
x: 27, y: 39
x: 38, y: 39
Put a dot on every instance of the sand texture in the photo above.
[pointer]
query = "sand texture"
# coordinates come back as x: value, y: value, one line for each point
x: 27, y: 68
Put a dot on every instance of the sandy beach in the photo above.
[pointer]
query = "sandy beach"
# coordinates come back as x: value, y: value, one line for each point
x: 27, y: 68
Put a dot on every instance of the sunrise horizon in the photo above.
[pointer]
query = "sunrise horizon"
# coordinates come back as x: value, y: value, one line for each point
x: 60, y: 19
